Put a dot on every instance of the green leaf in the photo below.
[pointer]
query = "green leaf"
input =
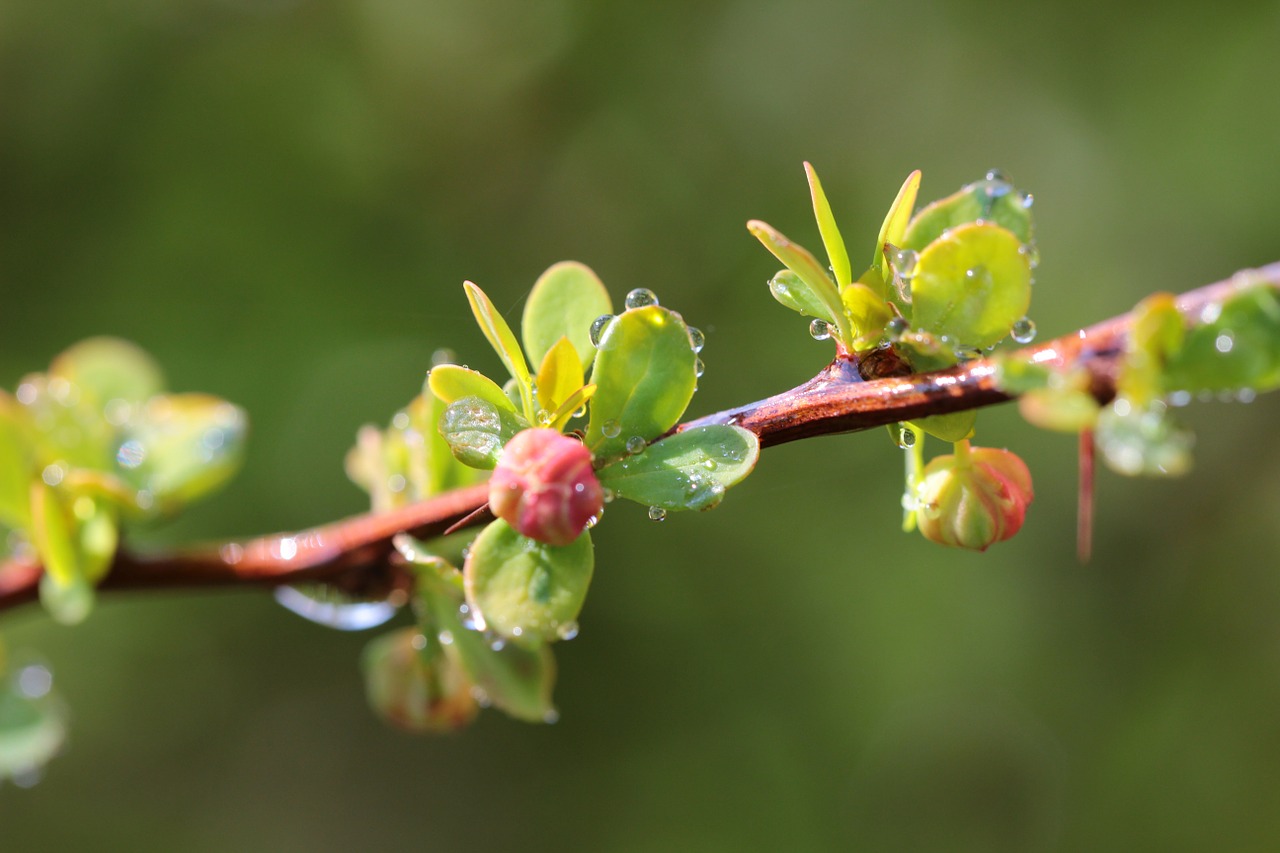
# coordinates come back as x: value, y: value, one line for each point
x: 64, y: 591
x: 894, y: 227
x: 822, y: 289
x: 477, y: 430
x: 1235, y: 346
x: 109, y: 369
x: 952, y: 427
x: 559, y: 376
x: 688, y: 470
x: 16, y: 464
x: 831, y: 239
x: 516, y: 679
x: 525, y: 590
x: 564, y: 302
x: 452, y: 382
x: 645, y: 373
x: 181, y: 447
x: 991, y: 200
x: 789, y: 289
x: 971, y: 285
x: 503, y: 341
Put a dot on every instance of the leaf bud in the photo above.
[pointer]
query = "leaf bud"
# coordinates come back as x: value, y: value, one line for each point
x: 544, y: 487
x: 974, y: 498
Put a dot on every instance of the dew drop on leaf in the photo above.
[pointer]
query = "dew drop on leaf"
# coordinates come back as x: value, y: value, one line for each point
x: 640, y: 297
x: 1031, y: 252
x: 819, y: 330
x: 610, y: 428
x: 1024, y: 331
x: 696, y: 339
x: 903, y: 261
x: 657, y: 513
x: 567, y: 630
x: 635, y: 444
x: 896, y: 328
x: 598, y: 326
x: 698, y: 367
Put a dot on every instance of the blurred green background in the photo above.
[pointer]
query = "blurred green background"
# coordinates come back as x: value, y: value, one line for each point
x: 280, y: 200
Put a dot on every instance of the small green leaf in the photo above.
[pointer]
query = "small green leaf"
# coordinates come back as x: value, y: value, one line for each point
x: 559, y: 376
x: 503, y: 341
x: 990, y: 200
x: 797, y: 259
x: 560, y: 417
x: 688, y: 470
x: 477, y: 430
x: 971, y: 286
x: 895, y: 226
x: 564, y: 302
x: 952, y: 427
x: 525, y: 590
x: 109, y: 369
x: 867, y: 313
x: 831, y: 239
x: 452, y: 382
x: 181, y: 447
x: 789, y: 289
x: 645, y: 373
x: 53, y: 534
x: 437, y: 470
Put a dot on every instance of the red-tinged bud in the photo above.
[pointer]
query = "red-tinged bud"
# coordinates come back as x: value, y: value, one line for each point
x: 544, y: 486
x: 974, y: 498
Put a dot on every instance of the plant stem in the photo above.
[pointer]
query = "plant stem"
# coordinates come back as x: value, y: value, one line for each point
x: 846, y: 396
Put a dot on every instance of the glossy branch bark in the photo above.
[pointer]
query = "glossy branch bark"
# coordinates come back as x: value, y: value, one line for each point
x: 846, y: 396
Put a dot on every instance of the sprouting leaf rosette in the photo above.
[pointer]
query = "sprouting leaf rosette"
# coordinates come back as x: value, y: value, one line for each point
x: 630, y: 376
x: 93, y: 442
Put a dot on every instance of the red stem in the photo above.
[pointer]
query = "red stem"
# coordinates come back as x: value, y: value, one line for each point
x: 354, y: 552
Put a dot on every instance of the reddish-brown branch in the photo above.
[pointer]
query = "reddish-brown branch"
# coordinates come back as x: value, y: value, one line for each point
x: 354, y: 552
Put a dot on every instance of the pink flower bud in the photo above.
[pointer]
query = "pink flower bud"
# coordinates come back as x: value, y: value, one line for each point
x: 544, y: 487
x: 974, y: 498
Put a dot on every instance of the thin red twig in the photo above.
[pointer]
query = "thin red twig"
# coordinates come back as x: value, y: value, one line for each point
x: 841, y: 398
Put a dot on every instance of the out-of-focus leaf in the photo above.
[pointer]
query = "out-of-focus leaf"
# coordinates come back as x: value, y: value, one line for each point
x: 180, y: 447
x: 688, y: 470
x: 412, y: 685
x: 971, y: 286
x: 954, y: 426
x: 15, y: 464
x: 564, y: 302
x: 1235, y: 346
x: 109, y: 369
x: 525, y: 590
x: 789, y: 289
x: 33, y: 724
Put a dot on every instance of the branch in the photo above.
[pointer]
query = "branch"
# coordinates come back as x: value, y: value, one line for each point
x: 846, y: 396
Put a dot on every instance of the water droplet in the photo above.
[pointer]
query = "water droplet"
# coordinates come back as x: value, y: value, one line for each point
x: 610, y: 428
x: 697, y: 340
x: 1031, y: 252
x: 598, y: 327
x: 131, y: 454
x: 396, y: 483
x: 581, y: 412
x: 977, y: 275
x: 966, y: 354
x: 819, y: 330
x: 903, y: 261
x: 232, y: 553
x: 52, y: 474
x: 443, y: 355
x: 1027, y: 199
x: 777, y: 287
x: 497, y: 644
x: 710, y: 464
x: 1246, y: 395
x: 1224, y: 343
x: 27, y: 393
x: 609, y: 495
x: 34, y: 681
x: 144, y: 499
x: 657, y: 513
x: 906, y: 438
x: 640, y: 297
x: 896, y: 328
x: 401, y: 420
x: 418, y: 642
x: 567, y: 630
x: 997, y: 175
x: 698, y: 367
x: 543, y: 417
x: 551, y: 717
x: 1024, y: 330
x: 636, y: 444
x: 332, y: 608
x: 1211, y: 312
x: 1180, y: 398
